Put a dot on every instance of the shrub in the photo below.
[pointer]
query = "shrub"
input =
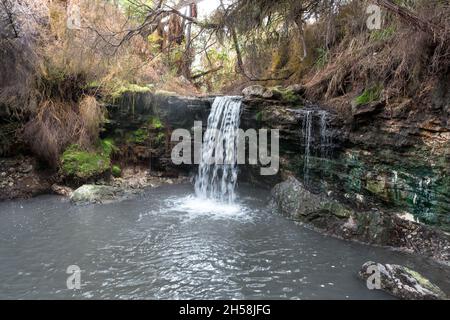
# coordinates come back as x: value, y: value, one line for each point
x: 116, y: 171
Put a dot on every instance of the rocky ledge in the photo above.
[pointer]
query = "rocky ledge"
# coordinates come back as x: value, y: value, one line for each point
x: 132, y: 182
x: 20, y: 178
x: 375, y: 227
x: 400, y: 281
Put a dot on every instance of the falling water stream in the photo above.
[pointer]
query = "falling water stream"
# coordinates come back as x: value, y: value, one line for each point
x: 217, y: 173
x: 307, y: 130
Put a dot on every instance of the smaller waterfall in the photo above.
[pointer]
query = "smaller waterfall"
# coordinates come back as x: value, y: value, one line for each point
x: 307, y: 130
x: 325, y: 138
x: 218, y: 171
x: 315, y: 127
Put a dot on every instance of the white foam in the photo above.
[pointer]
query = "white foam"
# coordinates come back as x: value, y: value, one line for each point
x: 193, y: 207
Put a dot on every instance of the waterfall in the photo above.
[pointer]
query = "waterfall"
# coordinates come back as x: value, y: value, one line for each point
x: 217, y: 173
x: 307, y: 130
x: 325, y: 138
x: 315, y: 122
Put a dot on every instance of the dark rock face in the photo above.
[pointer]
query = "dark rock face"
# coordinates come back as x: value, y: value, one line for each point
x: 388, y: 156
x: 142, y: 124
x: 401, y: 282
x: 19, y: 178
x: 133, y: 110
x: 324, y: 213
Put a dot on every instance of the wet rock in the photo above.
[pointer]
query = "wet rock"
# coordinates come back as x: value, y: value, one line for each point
x: 367, y: 109
x: 96, y: 194
x: 374, y: 226
x: 293, y: 200
x: 401, y: 282
x: 257, y: 91
x: 61, y: 190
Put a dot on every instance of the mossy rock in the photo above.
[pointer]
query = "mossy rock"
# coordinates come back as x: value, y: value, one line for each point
x: 129, y: 88
x: 81, y: 164
x: 285, y: 94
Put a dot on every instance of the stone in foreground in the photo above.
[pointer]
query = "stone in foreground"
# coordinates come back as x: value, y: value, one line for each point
x: 95, y: 194
x: 402, y: 282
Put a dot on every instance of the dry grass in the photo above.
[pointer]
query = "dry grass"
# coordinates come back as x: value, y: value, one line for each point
x: 92, y: 116
x: 399, y: 58
x: 58, y: 124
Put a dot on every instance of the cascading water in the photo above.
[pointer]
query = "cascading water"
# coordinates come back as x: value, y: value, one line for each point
x: 217, y: 173
x: 307, y: 130
x: 325, y: 138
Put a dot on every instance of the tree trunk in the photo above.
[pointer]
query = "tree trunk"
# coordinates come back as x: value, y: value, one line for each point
x: 408, y: 16
x: 299, y: 23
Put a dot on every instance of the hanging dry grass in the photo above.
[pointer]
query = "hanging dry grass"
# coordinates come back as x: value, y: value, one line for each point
x: 58, y: 124
x: 92, y: 116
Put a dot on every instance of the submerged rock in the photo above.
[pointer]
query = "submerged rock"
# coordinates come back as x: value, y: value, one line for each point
x: 401, y: 282
x: 96, y: 194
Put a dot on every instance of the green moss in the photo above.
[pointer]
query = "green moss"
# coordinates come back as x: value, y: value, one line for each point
x: 165, y: 93
x: 129, y: 88
x: 116, y: 171
x: 285, y: 94
x: 259, y: 116
x: 107, y: 146
x: 160, y: 138
x: 382, y: 35
x: 139, y: 136
x: 369, y: 95
x: 155, y: 123
x: 83, y: 164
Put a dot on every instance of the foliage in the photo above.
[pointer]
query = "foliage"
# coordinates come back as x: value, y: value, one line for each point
x: 116, y: 171
x: 369, y: 95
x: 155, y: 122
x: 322, y: 59
x: 383, y: 34
x: 139, y: 136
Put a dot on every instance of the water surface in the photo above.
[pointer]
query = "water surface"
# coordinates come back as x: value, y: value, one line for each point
x: 166, y: 244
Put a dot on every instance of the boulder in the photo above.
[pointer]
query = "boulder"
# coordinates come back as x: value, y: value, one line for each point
x: 96, y: 194
x: 401, y: 282
x: 257, y: 91
x: 293, y: 200
x: 375, y: 227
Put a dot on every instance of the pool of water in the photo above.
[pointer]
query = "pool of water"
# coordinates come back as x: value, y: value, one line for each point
x: 166, y: 244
